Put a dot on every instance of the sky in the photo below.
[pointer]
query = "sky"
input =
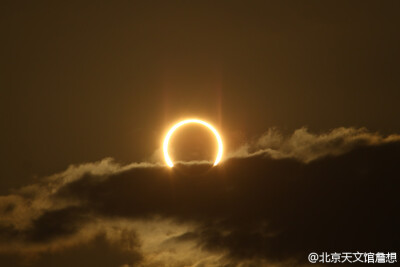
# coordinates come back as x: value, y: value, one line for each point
x: 304, y: 94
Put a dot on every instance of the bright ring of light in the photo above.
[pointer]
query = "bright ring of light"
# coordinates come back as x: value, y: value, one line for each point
x: 179, y: 124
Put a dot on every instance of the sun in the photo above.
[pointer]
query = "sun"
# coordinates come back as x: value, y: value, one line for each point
x: 188, y: 121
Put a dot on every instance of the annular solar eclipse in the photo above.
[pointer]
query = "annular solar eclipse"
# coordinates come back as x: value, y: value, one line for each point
x: 189, y: 121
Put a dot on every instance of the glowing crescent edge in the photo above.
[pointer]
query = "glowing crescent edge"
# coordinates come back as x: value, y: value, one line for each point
x: 179, y: 124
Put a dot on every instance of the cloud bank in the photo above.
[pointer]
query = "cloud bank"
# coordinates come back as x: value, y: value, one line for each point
x: 270, y: 203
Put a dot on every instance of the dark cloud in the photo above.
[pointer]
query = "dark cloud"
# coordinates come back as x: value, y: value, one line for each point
x: 56, y: 224
x: 95, y: 252
x: 259, y: 207
x: 255, y: 210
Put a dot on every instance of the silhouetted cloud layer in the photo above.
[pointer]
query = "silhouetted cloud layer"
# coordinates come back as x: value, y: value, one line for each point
x: 267, y: 207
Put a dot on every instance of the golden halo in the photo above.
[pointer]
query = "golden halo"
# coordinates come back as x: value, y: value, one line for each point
x: 179, y: 124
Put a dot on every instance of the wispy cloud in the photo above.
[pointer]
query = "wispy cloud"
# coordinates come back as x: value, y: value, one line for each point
x: 268, y: 204
x: 306, y: 146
